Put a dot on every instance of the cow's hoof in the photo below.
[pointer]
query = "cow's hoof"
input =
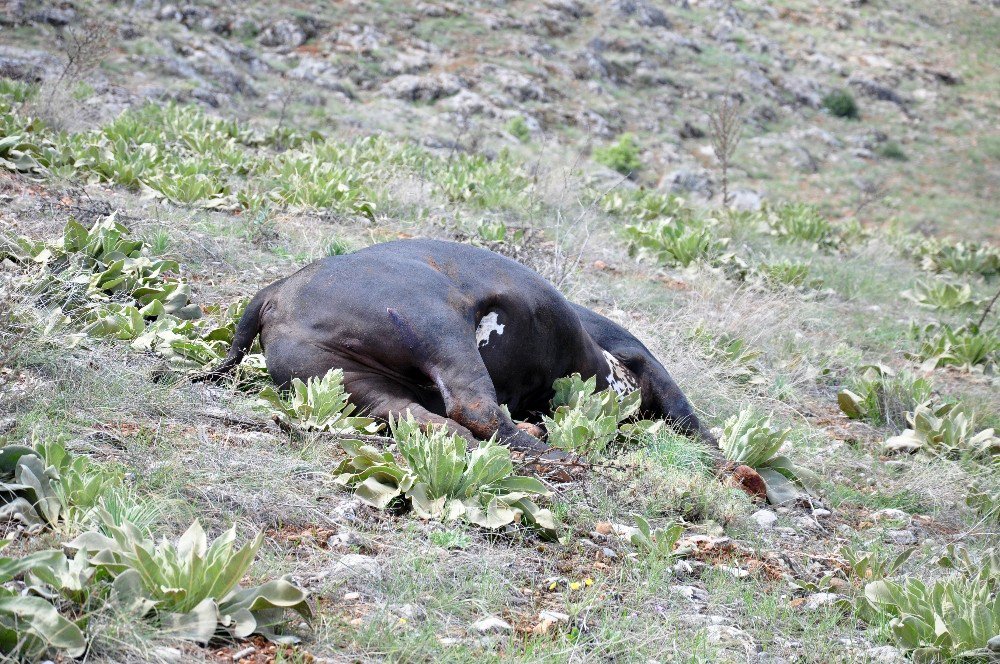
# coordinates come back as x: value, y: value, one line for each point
x: 749, y: 481
x: 531, y: 429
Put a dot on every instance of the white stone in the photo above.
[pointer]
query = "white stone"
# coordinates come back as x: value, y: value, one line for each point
x: 765, y: 518
x: 491, y: 625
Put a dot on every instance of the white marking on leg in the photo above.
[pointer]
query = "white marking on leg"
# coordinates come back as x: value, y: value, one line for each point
x: 621, y: 380
x: 488, y: 324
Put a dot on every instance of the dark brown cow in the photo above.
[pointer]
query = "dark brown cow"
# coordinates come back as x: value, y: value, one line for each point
x: 448, y: 332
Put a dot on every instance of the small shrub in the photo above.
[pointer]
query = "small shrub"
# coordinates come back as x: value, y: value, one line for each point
x: 748, y: 438
x: 892, y: 150
x: 803, y: 223
x: 622, y: 156
x: 191, y: 586
x: 841, y: 104
x: 737, y: 356
x: 986, y: 502
x: 966, y: 347
x: 442, y: 480
x: 941, y: 621
x: 646, y: 205
x: 584, y: 420
x: 941, y: 295
x: 787, y: 273
x: 880, y: 396
x: 870, y: 566
x: 450, y: 539
x: 518, y: 128
x: 336, y: 247
x: 17, y: 92
x: 319, y: 404
x: 656, y: 543
x: 671, y: 242
x: 483, y: 183
x: 31, y: 626
x: 46, y: 487
x: 960, y: 258
x: 944, y: 430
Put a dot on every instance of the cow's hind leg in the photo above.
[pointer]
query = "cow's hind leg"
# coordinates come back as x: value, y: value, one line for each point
x: 383, y: 398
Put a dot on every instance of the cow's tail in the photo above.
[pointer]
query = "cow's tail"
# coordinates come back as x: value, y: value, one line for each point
x: 246, y: 331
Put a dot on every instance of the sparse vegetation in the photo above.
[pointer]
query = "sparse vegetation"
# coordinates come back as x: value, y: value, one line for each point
x: 151, y: 180
x: 622, y: 156
x: 882, y: 396
x: 441, y: 479
x: 748, y: 438
x: 841, y: 104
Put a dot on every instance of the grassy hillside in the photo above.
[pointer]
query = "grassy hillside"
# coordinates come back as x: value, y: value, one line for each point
x: 161, y: 163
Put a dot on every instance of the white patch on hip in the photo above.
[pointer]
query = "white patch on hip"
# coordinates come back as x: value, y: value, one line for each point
x: 621, y: 380
x: 488, y: 324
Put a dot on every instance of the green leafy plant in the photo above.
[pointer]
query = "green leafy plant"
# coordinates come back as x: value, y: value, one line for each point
x: 622, y: 156
x: 802, y: 223
x: 941, y: 295
x: 944, y: 430
x: 442, y: 480
x: 584, y: 420
x: 787, y: 273
x: 17, y: 92
x: 319, y: 404
x: 450, y: 539
x: 870, y: 566
x: 960, y: 258
x: 892, y: 150
x: 497, y: 231
x: 749, y: 439
x: 966, y: 347
x: 498, y: 183
x: 985, y: 501
x: 737, y: 356
x: 659, y: 543
x: 881, y: 396
x: 31, y: 626
x: 645, y: 205
x: 671, y: 241
x: 841, y: 104
x: 940, y: 621
x: 191, y: 586
x: 518, y: 128
x: 46, y: 487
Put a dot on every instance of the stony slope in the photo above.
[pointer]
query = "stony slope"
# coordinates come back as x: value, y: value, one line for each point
x: 444, y: 86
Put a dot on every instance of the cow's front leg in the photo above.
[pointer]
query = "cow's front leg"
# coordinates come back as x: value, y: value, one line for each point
x: 470, y: 399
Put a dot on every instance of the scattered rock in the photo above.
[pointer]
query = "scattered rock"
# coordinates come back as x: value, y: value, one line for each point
x: 885, y: 655
x: 285, y: 34
x: 492, y: 625
x: 423, y: 88
x: 820, y: 512
x: 890, y: 514
x: 745, y: 199
x: 994, y: 644
x: 765, y: 518
x: 691, y: 181
x: 901, y: 537
x: 554, y: 616
x: 703, y: 620
x: 877, y: 90
x: 727, y: 634
x: 353, y: 566
x: 692, y: 593
x: 411, y: 612
x: 818, y: 600
x: 644, y: 13
x: 7, y: 424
